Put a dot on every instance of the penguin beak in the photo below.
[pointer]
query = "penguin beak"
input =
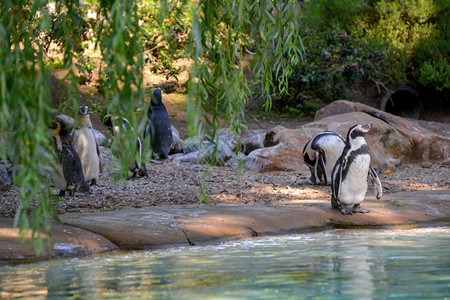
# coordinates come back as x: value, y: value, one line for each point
x: 367, y: 127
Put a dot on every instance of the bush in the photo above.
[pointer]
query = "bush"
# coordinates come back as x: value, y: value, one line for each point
x: 349, y: 43
x: 435, y: 74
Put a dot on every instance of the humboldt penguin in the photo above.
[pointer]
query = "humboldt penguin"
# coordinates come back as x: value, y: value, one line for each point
x: 85, y: 143
x: 69, y: 172
x: 116, y: 125
x: 352, y: 171
x: 159, y: 129
x: 321, y: 153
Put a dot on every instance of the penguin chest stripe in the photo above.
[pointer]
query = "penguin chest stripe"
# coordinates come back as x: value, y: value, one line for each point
x: 351, y: 157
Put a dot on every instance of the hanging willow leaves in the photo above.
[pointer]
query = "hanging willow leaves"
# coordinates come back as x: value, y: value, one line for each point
x: 223, y: 37
x: 25, y: 112
x: 122, y: 54
x: 222, y: 33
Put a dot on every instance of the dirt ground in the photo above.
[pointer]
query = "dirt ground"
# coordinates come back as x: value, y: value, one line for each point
x: 178, y: 184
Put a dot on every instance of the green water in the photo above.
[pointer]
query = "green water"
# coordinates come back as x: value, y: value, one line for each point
x: 337, y: 264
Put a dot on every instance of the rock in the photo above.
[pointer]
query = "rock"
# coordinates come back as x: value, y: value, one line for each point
x: 236, y: 160
x: 177, y: 142
x: 193, y: 144
x: 105, y: 154
x: 198, y: 151
x: 392, y: 140
x: 419, y: 145
x: 66, y: 241
x: 207, y: 150
x: 5, y: 180
x: 252, y: 140
x: 284, y: 155
x: 101, y: 138
x: 228, y: 137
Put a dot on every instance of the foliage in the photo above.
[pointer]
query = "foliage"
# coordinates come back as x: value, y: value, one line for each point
x: 221, y: 36
x: 435, y: 74
x: 217, y: 36
x: 334, y: 62
x: 25, y: 111
x: 165, y: 33
x: 387, y: 42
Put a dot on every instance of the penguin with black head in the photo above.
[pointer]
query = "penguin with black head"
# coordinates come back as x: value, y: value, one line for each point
x: 116, y: 126
x: 159, y: 129
x: 320, y: 155
x: 86, y: 145
x: 351, y: 173
x: 69, y: 171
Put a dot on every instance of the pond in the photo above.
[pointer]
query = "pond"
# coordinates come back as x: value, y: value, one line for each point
x: 335, y: 264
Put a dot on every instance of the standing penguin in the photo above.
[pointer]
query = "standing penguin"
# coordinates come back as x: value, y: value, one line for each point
x: 69, y: 172
x: 352, y: 171
x: 321, y: 153
x: 116, y: 125
x: 85, y: 143
x: 159, y: 128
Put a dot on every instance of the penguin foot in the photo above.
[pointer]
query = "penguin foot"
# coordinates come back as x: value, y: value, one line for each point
x: 357, y: 209
x: 143, y: 172
x: 93, y: 181
x: 62, y: 193
x: 346, y: 211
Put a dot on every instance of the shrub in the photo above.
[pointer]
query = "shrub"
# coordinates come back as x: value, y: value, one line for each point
x: 435, y: 74
x: 391, y: 42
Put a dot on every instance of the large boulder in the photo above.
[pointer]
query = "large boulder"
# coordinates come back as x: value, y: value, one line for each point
x: 392, y: 140
x: 283, y: 151
x: 421, y: 144
x: 252, y: 140
x: 177, y: 142
x: 198, y: 150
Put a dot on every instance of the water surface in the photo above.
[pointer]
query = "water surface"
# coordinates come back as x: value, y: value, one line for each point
x: 337, y: 264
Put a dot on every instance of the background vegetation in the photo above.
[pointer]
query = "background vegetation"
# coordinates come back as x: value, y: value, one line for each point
x: 292, y: 55
x: 351, y: 45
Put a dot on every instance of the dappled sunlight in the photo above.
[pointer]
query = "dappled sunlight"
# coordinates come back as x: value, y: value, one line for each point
x: 15, y: 234
x: 261, y: 192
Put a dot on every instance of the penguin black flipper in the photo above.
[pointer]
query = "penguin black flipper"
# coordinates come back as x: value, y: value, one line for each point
x: 68, y: 167
x: 82, y: 184
x: 310, y: 159
x: 100, y: 160
x: 375, y: 180
x: 320, y: 168
x: 73, y: 171
x: 336, y: 180
x: 142, y: 170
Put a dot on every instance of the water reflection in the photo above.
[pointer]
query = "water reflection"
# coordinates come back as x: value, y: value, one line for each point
x: 347, y: 264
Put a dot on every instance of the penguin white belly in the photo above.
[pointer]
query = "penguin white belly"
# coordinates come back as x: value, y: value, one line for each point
x: 354, y: 186
x: 86, y: 147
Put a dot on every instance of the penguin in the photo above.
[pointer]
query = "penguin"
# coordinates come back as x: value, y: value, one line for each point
x: 159, y: 128
x: 116, y: 125
x: 85, y: 143
x: 321, y: 153
x: 352, y: 171
x: 69, y: 171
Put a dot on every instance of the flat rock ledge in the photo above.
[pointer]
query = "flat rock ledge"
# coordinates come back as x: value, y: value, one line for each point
x: 172, y: 226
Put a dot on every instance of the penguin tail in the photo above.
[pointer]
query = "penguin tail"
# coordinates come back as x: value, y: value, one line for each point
x: 84, y: 187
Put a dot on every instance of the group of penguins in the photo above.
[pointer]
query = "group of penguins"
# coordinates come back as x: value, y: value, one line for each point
x: 345, y: 164
x: 79, y: 160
